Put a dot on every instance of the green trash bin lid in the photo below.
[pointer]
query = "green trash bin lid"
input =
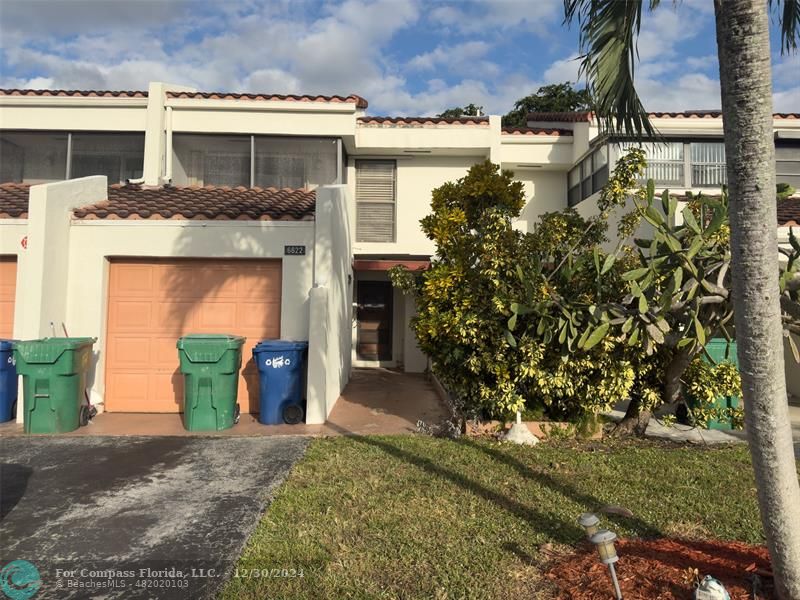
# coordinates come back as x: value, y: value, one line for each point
x: 49, y: 350
x: 209, y: 347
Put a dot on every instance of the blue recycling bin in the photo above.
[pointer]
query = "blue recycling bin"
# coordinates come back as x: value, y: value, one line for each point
x: 280, y: 371
x: 8, y: 381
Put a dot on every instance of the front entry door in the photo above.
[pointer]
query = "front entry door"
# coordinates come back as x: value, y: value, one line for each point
x: 374, y: 320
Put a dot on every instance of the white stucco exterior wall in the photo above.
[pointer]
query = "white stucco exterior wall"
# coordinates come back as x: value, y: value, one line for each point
x: 12, y: 233
x: 44, y: 265
x: 331, y: 309
x: 545, y: 191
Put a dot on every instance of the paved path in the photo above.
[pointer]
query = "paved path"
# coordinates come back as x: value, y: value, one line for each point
x: 182, y: 506
x: 685, y: 433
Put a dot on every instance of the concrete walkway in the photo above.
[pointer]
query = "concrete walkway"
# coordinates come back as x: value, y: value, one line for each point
x: 686, y: 433
x: 375, y: 402
x: 105, y: 510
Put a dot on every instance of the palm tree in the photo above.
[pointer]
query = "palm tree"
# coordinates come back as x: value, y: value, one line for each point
x: 608, y: 32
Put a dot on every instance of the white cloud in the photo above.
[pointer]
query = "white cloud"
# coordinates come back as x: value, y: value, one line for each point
x: 443, y: 55
x: 565, y: 69
x: 787, y: 100
x: 466, y: 58
x: 473, y: 16
x: 296, y: 46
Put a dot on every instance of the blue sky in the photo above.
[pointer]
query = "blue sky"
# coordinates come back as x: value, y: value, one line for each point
x: 407, y: 57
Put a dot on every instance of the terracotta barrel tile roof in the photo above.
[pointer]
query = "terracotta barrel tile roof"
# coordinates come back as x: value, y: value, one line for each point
x: 565, y: 117
x: 75, y: 93
x: 14, y: 200
x: 202, y: 203
x: 789, y: 212
x: 535, y: 131
x: 586, y: 116
x: 422, y: 121
x: 358, y: 100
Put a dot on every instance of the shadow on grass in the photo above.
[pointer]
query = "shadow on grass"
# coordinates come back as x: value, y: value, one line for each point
x: 558, y: 529
x: 591, y: 503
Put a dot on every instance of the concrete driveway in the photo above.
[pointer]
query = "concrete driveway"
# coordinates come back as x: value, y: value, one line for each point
x: 136, y: 517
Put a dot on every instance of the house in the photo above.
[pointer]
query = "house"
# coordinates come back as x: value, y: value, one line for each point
x: 138, y: 216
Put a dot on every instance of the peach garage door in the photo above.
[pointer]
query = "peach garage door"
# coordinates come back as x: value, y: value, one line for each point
x: 153, y: 302
x: 8, y: 290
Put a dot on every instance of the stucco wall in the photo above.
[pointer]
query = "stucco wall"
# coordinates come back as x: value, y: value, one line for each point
x: 44, y: 265
x: 331, y: 310
x: 68, y: 114
x: 12, y: 231
x: 92, y: 243
x: 545, y: 191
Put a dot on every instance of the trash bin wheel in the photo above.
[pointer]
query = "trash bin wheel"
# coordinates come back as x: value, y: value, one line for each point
x: 293, y: 414
x: 237, y: 413
x: 84, y: 415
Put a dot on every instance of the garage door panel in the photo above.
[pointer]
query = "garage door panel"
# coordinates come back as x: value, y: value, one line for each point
x: 173, y: 316
x: 215, y: 317
x: 166, y: 392
x: 217, y: 282
x: 259, y: 284
x: 165, y: 352
x: 174, y: 281
x: 130, y: 352
x: 248, y: 386
x: 8, y: 290
x: 198, y: 296
x: 131, y: 315
x: 129, y: 387
x: 133, y: 280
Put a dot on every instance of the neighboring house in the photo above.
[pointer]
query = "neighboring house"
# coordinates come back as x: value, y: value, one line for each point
x: 266, y: 216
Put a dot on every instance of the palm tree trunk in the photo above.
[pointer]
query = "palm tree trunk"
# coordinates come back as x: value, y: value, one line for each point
x: 745, y: 77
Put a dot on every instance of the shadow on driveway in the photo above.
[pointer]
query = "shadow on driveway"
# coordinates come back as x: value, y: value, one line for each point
x: 109, y: 509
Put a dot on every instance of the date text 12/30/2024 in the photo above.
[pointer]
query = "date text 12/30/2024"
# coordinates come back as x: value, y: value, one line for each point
x: 256, y: 573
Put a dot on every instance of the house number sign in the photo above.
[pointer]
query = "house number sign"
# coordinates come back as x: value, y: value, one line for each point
x: 294, y: 250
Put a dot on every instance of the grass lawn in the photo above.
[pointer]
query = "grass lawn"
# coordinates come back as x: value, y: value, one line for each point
x: 421, y: 517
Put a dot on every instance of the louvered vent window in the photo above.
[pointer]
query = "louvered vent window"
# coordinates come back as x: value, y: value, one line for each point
x: 375, y: 200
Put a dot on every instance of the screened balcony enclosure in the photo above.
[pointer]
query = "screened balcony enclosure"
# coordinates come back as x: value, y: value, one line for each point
x: 117, y: 156
x: 682, y: 164
x: 254, y: 161
x: 42, y: 157
x: 33, y: 157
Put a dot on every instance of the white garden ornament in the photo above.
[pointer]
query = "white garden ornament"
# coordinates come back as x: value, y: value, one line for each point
x: 520, y: 434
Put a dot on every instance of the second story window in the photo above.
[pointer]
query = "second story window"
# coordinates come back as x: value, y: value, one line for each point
x: 787, y: 164
x: 588, y: 176
x: 679, y: 164
x: 708, y: 164
x: 375, y: 200
x: 665, y: 161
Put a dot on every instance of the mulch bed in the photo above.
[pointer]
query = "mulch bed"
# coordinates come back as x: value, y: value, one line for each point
x: 658, y: 570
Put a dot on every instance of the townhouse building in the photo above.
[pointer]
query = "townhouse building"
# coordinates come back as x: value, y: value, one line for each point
x: 138, y: 216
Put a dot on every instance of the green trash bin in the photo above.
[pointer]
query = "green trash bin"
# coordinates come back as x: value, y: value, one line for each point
x: 721, y: 350
x: 53, y: 382
x: 210, y: 365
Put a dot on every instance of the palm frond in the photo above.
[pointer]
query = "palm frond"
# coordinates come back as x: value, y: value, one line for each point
x: 608, y: 33
x: 790, y: 23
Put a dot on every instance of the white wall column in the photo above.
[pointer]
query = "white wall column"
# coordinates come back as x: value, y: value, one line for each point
x: 43, y: 267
